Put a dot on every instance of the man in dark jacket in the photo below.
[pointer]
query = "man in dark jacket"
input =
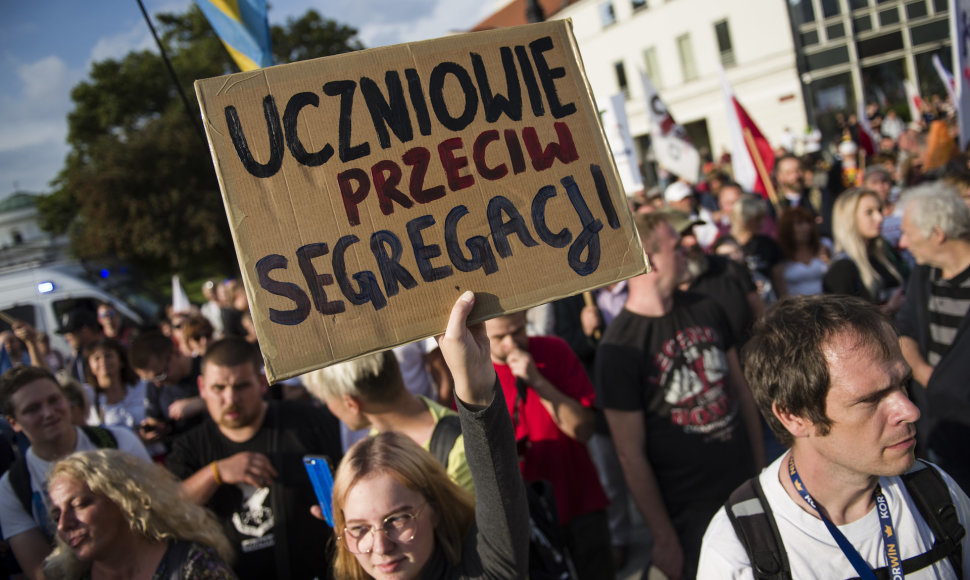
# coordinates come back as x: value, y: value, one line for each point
x: 932, y: 322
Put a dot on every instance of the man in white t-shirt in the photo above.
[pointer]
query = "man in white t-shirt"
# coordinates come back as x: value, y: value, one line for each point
x: 828, y: 375
x: 34, y: 404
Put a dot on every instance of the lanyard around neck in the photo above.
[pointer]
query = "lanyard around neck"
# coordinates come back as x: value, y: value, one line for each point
x: 890, y: 543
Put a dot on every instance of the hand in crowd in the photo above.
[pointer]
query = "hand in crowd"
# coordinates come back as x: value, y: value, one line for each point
x: 895, y: 302
x: 590, y: 319
x: 247, y: 467
x: 467, y: 354
x: 184, y: 408
x: 152, y: 429
x: 668, y: 555
x: 523, y: 366
x: 24, y: 332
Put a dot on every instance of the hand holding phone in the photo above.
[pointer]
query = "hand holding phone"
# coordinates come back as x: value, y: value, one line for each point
x: 318, y: 468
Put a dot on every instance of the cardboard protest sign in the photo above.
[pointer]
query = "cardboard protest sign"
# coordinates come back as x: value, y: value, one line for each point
x: 366, y: 191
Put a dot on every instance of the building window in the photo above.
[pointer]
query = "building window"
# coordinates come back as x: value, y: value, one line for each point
x: 686, y: 53
x: 621, y: 80
x: 802, y: 11
x: 830, y: 8
x: 724, y: 45
x: 638, y: 4
x: 607, y: 16
x: 651, y: 66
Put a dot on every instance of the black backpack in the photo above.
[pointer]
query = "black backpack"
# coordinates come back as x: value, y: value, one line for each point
x: 755, y: 527
x: 548, y: 555
x: 20, y: 476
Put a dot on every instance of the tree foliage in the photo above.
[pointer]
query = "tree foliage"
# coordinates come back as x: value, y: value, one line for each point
x: 138, y: 183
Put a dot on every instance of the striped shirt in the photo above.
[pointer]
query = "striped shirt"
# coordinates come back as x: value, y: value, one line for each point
x: 948, y: 304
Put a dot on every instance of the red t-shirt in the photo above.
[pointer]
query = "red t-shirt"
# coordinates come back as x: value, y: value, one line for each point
x: 551, y: 454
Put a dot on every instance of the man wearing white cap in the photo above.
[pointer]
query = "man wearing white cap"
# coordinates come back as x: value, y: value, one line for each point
x: 680, y: 196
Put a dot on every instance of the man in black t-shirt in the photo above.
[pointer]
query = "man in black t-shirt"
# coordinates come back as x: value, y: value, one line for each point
x: 723, y: 280
x: 683, y: 420
x: 245, y: 464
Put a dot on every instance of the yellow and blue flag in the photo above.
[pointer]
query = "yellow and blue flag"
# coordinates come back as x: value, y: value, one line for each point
x: 243, y: 27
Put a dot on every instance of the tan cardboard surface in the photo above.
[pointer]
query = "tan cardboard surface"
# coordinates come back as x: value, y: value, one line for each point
x: 366, y: 191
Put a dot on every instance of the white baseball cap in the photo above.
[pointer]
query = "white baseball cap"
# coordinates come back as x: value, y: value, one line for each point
x: 677, y: 191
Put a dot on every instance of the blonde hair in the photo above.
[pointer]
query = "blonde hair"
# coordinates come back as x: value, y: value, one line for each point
x: 398, y: 456
x: 845, y: 230
x: 374, y: 377
x: 148, y: 496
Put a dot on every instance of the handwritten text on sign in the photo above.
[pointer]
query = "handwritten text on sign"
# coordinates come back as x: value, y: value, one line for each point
x: 437, y: 165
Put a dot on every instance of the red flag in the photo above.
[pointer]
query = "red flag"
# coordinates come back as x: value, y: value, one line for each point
x: 867, y: 137
x: 752, y: 157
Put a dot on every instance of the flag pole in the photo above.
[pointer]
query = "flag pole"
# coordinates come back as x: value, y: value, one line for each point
x: 175, y: 80
x: 759, y: 165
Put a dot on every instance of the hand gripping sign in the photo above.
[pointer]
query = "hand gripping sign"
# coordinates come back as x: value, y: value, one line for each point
x: 366, y: 191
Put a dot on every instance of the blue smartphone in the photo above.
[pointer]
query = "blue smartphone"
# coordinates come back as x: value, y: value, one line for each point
x: 318, y: 468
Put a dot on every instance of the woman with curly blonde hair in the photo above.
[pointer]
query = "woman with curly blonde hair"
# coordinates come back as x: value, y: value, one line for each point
x: 119, y: 516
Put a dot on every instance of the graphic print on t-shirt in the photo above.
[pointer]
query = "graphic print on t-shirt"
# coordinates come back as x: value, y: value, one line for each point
x: 692, y: 370
x: 254, y: 518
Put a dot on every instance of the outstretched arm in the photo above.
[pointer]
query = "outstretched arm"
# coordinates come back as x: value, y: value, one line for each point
x: 499, y: 546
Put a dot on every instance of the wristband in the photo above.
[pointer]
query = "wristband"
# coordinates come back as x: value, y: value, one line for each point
x: 215, y: 473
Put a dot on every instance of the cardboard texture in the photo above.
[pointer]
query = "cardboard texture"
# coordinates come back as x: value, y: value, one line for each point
x: 367, y: 191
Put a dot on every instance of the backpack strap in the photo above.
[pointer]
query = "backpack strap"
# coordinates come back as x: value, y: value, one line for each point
x: 443, y: 438
x: 102, y: 437
x: 932, y: 497
x: 755, y: 527
x: 20, y: 482
x: 20, y: 475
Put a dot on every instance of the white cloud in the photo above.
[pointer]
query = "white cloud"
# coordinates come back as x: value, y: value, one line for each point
x: 35, y: 114
x: 42, y: 78
x: 118, y: 45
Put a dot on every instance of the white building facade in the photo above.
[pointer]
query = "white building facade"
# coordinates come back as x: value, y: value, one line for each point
x: 681, y: 44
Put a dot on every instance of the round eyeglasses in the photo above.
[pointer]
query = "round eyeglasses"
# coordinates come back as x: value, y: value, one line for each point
x: 398, y: 527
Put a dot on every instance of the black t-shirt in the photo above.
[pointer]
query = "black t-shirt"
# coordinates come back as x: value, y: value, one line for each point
x: 261, y: 522
x: 673, y: 368
x: 728, y: 283
x: 761, y: 253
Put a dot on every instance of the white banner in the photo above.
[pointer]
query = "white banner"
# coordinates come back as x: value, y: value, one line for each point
x: 671, y: 145
x: 960, y: 33
x: 618, y: 135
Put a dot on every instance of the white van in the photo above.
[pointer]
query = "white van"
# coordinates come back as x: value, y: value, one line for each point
x: 42, y: 294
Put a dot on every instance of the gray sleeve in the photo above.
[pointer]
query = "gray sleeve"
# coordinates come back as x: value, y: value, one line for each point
x: 498, y: 544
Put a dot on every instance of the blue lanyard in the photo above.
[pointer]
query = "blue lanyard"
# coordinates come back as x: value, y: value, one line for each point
x: 890, y: 543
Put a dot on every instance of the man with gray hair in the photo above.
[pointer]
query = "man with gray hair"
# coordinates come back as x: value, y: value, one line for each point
x: 369, y: 392
x: 932, y: 322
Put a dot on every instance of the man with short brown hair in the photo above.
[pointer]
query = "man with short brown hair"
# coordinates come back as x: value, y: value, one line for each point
x: 245, y: 463
x: 683, y: 421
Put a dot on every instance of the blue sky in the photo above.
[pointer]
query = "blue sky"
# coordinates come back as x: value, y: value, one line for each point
x: 47, y: 47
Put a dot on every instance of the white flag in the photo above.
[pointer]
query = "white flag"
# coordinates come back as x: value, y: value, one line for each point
x: 180, y: 300
x: 914, y: 101
x: 671, y: 145
x: 617, y: 130
x: 959, y: 16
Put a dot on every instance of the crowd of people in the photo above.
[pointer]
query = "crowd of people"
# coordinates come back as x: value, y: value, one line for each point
x: 764, y: 379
